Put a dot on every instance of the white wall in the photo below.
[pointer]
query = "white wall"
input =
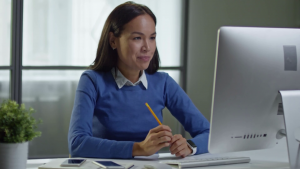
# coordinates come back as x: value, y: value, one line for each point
x: 206, y: 16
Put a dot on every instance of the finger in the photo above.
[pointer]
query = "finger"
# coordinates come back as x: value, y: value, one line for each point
x: 163, y: 133
x: 160, y: 128
x: 155, y: 136
x: 177, y: 144
x: 162, y: 140
x: 162, y: 145
x: 178, y: 151
x: 176, y: 137
x: 182, y: 153
x: 162, y: 136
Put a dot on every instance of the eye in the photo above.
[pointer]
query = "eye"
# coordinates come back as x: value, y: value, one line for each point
x: 153, y: 38
x: 137, y: 38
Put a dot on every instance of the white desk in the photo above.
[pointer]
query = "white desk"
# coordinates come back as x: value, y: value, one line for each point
x: 275, y: 158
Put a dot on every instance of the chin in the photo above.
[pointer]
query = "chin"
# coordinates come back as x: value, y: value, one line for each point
x: 143, y: 67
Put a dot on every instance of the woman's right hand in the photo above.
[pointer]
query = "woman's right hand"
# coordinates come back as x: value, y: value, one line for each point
x: 156, y: 139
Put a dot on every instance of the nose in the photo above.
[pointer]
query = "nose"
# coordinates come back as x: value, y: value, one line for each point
x: 146, y: 46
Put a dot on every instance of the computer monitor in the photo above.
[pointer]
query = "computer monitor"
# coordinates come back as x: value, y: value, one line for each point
x: 252, y: 65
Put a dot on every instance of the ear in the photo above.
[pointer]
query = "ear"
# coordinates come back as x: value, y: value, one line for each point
x: 112, y: 41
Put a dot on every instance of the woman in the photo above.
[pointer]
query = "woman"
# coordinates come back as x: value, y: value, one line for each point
x: 109, y: 118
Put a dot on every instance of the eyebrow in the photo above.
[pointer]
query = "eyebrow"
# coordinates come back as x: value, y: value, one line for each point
x: 142, y: 33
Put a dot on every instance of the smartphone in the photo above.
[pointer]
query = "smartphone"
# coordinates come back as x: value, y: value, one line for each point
x: 72, y: 162
x: 108, y: 164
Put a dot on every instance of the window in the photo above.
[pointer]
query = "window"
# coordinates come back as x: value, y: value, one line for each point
x: 4, y: 84
x: 67, y: 32
x: 5, y: 24
x: 5, y: 32
x: 59, y: 42
x: 51, y: 93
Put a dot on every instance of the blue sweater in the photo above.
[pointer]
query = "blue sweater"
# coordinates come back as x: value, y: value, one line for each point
x: 106, y: 120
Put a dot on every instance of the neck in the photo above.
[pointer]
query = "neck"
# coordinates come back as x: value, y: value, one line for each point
x: 132, y: 75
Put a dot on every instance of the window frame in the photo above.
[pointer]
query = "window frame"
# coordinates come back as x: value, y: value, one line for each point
x: 16, y: 66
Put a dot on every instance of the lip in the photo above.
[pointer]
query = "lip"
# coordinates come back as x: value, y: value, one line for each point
x: 144, y: 58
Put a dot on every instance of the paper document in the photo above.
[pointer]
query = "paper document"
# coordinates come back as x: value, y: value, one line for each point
x: 55, y: 164
x: 159, y: 156
x: 152, y: 157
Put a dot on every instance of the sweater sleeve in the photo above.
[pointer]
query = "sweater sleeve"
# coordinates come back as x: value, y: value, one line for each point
x: 183, y: 109
x: 81, y: 142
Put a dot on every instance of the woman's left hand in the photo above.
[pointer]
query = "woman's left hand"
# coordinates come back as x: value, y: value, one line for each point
x: 179, y: 146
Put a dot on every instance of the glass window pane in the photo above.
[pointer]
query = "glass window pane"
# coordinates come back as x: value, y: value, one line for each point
x: 57, y: 32
x: 4, y: 85
x: 5, y: 24
x: 51, y: 94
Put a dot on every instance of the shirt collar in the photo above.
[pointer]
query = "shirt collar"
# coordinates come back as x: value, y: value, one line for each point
x: 121, y: 80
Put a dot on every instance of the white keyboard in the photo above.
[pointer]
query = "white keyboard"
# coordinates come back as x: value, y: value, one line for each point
x: 208, y: 161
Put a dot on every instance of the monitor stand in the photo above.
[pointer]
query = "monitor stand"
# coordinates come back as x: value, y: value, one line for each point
x: 291, y: 112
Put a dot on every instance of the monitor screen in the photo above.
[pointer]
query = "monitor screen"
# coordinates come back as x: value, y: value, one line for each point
x: 252, y: 65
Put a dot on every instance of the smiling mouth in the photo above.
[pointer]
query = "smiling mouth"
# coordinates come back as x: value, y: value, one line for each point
x: 144, y: 58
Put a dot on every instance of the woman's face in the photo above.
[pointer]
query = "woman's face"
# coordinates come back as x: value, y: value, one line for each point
x: 136, y: 45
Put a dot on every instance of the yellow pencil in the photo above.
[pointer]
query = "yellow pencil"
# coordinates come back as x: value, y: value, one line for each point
x: 153, y: 114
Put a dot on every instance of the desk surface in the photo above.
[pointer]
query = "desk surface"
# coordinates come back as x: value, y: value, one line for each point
x: 274, y: 158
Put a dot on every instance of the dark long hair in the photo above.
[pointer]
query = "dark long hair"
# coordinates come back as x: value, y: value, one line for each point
x: 106, y: 57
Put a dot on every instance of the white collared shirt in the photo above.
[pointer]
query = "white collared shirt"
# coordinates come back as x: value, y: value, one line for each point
x: 121, y: 80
